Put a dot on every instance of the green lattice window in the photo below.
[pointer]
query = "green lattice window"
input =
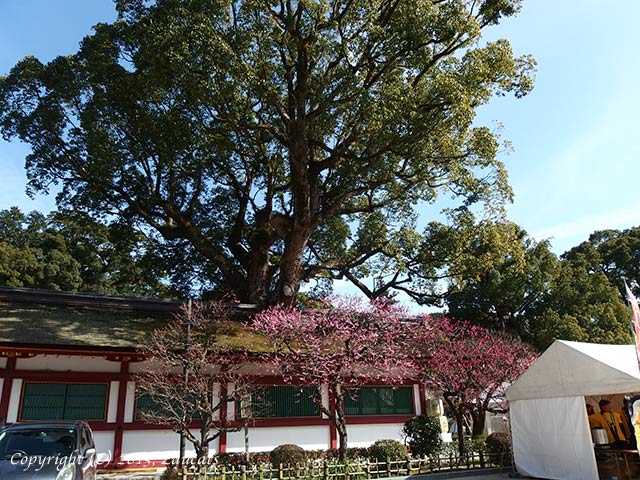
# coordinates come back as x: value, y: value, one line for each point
x: 285, y: 401
x: 380, y: 401
x: 64, y: 401
x: 146, y: 404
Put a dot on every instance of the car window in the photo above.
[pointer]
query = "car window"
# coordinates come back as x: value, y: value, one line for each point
x: 33, y: 442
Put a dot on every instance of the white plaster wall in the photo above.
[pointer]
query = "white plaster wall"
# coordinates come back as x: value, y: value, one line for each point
x: 3, y: 362
x: 324, y: 398
x: 141, y: 445
x: 14, y: 400
x: 136, y: 367
x: 112, y: 408
x: 268, y: 438
x: 215, y: 399
x: 416, y: 399
x: 104, y: 445
x: 63, y: 363
x: 129, y: 402
x: 365, y: 435
x: 231, y: 406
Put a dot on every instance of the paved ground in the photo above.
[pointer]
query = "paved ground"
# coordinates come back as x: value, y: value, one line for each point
x: 135, y: 476
x: 128, y: 476
x: 494, y: 474
x: 489, y: 474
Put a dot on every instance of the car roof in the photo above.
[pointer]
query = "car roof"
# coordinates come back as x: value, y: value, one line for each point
x: 44, y: 425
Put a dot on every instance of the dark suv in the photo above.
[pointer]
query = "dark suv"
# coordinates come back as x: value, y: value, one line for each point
x: 52, y: 451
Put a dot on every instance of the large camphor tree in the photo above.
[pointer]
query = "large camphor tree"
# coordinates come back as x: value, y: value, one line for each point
x: 271, y: 138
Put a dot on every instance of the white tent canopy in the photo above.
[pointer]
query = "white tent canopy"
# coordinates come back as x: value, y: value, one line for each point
x: 551, y: 436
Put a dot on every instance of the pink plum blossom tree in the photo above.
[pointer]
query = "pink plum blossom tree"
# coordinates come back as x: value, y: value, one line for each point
x: 341, y: 347
x: 179, y: 383
x: 471, y: 366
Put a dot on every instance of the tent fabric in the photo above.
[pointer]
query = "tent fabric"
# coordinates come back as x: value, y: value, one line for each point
x: 551, y: 439
x: 550, y: 429
x: 572, y: 368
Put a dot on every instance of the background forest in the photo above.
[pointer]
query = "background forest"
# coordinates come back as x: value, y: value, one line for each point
x: 529, y: 291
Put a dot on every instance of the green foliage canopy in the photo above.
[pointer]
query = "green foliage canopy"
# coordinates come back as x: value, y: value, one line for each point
x: 266, y: 136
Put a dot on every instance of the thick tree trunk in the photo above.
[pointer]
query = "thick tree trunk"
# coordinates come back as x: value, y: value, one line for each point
x: 202, y: 448
x: 290, y: 265
x: 257, y: 276
x: 202, y: 454
x: 340, y: 422
x: 460, y: 424
x: 342, y: 444
x: 478, y: 417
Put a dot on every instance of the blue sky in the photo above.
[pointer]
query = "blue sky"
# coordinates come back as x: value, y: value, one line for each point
x: 574, y: 138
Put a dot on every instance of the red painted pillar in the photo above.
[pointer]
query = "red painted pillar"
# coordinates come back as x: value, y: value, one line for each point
x: 122, y: 397
x: 222, y: 439
x: 8, y: 374
x: 423, y: 398
x: 333, y: 433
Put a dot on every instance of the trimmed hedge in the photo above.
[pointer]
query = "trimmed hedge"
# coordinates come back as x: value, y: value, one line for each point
x: 499, y: 448
x: 287, y: 454
x: 391, y: 449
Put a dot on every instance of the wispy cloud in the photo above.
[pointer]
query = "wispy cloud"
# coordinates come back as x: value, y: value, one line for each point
x: 578, y: 230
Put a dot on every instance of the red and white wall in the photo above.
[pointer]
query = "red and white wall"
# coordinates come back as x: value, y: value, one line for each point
x: 126, y: 442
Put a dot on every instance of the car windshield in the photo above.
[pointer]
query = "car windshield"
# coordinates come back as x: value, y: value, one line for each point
x: 37, y: 441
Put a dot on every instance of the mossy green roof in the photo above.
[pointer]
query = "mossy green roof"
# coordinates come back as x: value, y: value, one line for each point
x: 65, y: 326
x: 72, y: 326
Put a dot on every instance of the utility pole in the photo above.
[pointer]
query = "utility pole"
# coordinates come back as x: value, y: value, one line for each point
x: 185, y: 375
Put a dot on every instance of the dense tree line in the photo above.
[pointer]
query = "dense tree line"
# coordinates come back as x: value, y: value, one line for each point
x: 70, y: 251
x: 515, y: 285
x: 542, y: 297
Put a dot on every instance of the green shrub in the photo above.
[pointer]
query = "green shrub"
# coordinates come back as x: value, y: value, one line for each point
x: 499, y: 448
x: 287, y: 454
x: 423, y: 435
x: 391, y: 449
x: 476, y: 444
x: 171, y: 472
x: 352, y: 453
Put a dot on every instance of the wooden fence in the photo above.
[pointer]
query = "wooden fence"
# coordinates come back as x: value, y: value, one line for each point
x: 329, y: 470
